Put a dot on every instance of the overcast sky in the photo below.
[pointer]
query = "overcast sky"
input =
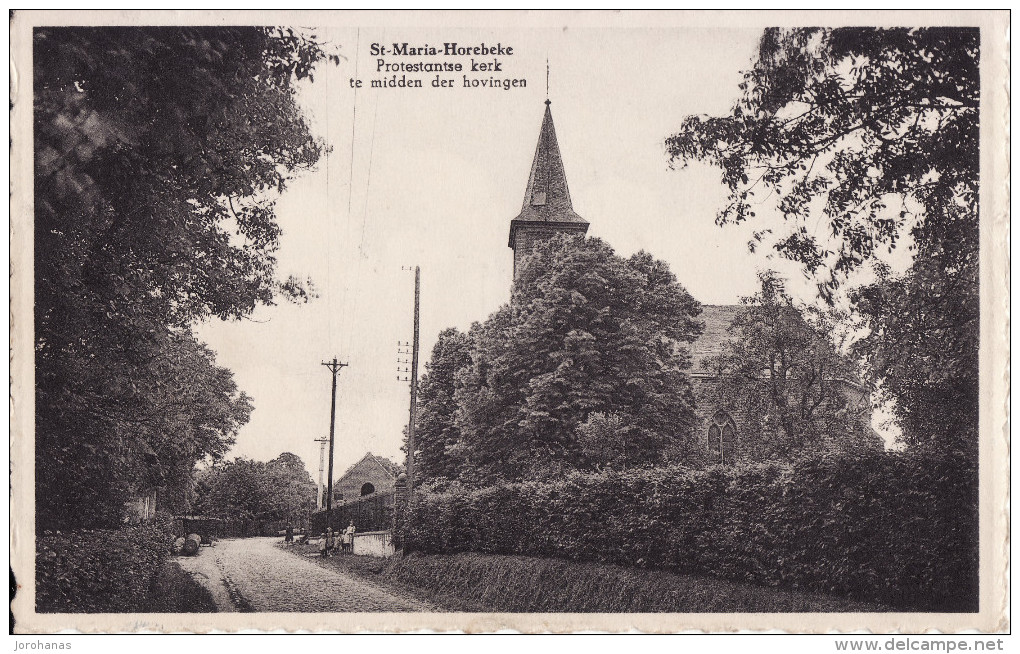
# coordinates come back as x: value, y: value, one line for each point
x: 437, y: 176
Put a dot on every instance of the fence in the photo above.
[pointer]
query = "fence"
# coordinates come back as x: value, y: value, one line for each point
x: 370, y: 513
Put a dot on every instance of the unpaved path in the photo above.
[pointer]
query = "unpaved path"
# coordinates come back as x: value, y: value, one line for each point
x: 254, y: 574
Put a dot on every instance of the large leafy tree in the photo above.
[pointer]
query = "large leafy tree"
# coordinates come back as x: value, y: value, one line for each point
x: 869, y: 139
x: 796, y: 391
x: 158, y: 152
x: 922, y: 346
x: 436, y: 433
x: 585, y: 332
x: 252, y: 495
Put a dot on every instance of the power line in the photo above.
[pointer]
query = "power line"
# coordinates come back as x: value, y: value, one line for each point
x: 358, y: 274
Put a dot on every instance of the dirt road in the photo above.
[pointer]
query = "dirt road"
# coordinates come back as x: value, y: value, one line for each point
x: 253, y: 574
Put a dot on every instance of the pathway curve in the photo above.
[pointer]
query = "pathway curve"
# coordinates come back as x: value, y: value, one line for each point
x: 268, y: 579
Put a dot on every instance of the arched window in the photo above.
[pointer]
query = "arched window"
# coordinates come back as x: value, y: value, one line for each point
x: 722, y: 437
x: 367, y: 489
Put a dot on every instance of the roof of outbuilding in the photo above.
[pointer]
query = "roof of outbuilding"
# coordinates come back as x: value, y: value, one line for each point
x: 392, y: 468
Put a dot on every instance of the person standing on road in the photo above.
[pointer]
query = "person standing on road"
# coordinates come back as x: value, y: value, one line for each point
x: 349, y: 538
x: 322, y: 545
x: 289, y: 538
x: 330, y: 541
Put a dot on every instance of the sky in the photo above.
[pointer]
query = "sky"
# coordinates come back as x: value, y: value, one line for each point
x: 432, y: 177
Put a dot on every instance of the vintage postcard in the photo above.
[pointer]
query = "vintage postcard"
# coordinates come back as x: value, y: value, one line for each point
x: 532, y: 321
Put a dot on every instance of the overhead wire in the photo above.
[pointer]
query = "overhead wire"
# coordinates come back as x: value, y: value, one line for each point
x: 359, y: 271
x: 360, y: 252
x: 331, y: 236
x: 347, y: 288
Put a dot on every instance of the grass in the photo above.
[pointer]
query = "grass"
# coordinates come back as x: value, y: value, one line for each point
x: 174, y: 591
x: 474, y: 582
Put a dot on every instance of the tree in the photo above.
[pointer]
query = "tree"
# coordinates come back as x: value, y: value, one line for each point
x: 436, y: 433
x: 922, y: 344
x: 293, y: 490
x: 252, y: 495
x: 868, y: 138
x: 135, y: 423
x: 158, y: 152
x: 602, y: 441
x: 797, y: 391
x: 585, y: 332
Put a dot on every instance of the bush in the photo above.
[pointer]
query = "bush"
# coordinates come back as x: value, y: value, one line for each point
x: 893, y: 528
x: 99, y: 570
x: 175, y: 591
x: 514, y: 584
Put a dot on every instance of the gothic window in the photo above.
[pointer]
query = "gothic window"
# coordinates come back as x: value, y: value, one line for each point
x: 367, y: 489
x: 722, y: 438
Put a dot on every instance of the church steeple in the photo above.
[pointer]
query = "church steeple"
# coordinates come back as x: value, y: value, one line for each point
x: 547, y: 207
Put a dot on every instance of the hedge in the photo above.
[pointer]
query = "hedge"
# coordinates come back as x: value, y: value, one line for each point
x: 894, y: 528
x: 99, y: 570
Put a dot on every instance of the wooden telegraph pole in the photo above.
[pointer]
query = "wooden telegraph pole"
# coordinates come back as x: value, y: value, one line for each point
x: 414, y: 387
x: 334, y: 367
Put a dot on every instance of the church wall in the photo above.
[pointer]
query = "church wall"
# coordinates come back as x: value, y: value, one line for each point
x: 707, y: 404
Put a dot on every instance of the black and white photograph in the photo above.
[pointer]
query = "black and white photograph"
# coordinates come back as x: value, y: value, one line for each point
x: 530, y: 321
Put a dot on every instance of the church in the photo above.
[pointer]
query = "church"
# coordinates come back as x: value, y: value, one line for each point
x: 548, y: 211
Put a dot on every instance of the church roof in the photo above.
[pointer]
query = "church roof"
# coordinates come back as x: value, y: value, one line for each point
x: 717, y: 319
x: 713, y: 340
x: 547, y: 198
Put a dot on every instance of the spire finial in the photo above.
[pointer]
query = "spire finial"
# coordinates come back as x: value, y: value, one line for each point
x: 547, y: 101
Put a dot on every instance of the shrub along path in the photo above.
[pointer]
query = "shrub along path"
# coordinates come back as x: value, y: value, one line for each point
x: 472, y: 582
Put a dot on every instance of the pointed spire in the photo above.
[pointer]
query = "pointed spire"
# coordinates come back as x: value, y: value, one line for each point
x: 547, y: 198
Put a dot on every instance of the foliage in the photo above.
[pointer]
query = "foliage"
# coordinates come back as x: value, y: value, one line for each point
x: 874, y: 134
x: 176, y: 591
x: 517, y: 584
x: 794, y: 389
x: 99, y: 570
x: 435, y: 431
x: 158, y: 152
x: 602, y: 440
x: 106, y: 431
x: 585, y: 331
x: 255, y: 493
x: 922, y: 344
x: 880, y: 123
x: 894, y: 528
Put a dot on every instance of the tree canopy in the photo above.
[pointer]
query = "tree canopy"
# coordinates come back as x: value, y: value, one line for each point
x: 796, y: 391
x: 253, y: 495
x: 158, y: 155
x: 585, y: 332
x: 436, y: 432
x: 868, y: 139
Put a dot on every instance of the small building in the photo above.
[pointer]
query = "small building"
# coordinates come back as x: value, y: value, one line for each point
x: 372, y: 474
x: 365, y: 495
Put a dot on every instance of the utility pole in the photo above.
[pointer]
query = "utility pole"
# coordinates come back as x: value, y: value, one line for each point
x: 414, y: 387
x: 322, y: 468
x: 334, y: 367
